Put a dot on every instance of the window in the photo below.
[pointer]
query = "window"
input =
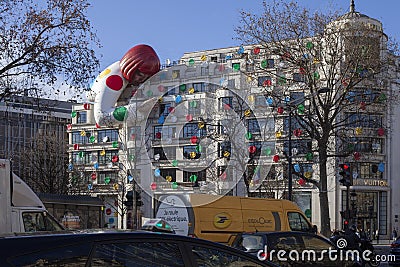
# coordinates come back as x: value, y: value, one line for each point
x: 253, y: 242
x: 81, y: 157
x: 297, y: 97
x: 207, y: 256
x: 303, y: 200
x: 261, y: 101
x: 39, y: 221
x: 106, y: 158
x: 261, y: 126
x: 270, y: 63
x: 169, y: 90
x: 164, y: 132
x: 316, y: 244
x: 168, y: 172
x: 107, y: 177
x: 192, y: 129
x: 257, y: 146
x: 300, y: 146
x: 253, y: 126
x: 231, y: 83
x: 108, y: 135
x: 224, y: 149
x: 158, y: 132
x: 164, y: 109
x: 383, y: 227
x: 175, y: 74
x: 264, y: 81
x: 194, y: 107
x: 225, y: 173
x: 367, y: 145
x: 81, y: 117
x: 201, y: 176
x: 77, y: 138
x: 226, y: 103
x: 364, y: 120
x: 204, y: 71
x: 72, y: 256
x: 134, y: 154
x: 236, y: 66
x: 134, y: 133
x: 199, y: 87
x: 191, y: 152
x: 298, y: 77
x: 297, y: 222
x: 367, y: 170
x: 136, y: 176
x: 166, y: 153
x: 295, y: 123
x: 138, y: 254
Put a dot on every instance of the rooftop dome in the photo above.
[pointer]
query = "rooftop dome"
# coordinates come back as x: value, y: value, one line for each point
x: 354, y: 18
x: 352, y: 13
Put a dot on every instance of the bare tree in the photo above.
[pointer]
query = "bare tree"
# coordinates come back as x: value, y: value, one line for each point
x: 42, y: 42
x: 45, y: 162
x: 347, y: 56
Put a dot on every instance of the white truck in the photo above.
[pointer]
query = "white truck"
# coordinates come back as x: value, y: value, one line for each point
x: 21, y: 209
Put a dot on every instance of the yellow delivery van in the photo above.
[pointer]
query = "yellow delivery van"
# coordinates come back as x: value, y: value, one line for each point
x: 219, y: 218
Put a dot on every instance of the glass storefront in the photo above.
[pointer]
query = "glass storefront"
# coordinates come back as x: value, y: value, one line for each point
x: 369, y: 211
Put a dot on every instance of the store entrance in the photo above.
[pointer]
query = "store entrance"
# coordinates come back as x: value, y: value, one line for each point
x: 366, y: 206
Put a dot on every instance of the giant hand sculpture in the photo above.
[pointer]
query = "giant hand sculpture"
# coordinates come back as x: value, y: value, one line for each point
x: 117, y: 83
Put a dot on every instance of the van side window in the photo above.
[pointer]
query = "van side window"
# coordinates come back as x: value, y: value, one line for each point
x: 39, y: 221
x: 297, y: 222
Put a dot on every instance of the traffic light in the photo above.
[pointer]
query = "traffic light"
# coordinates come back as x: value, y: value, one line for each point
x: 129, y: 199
x: 345, y: 217
x: 139, y: 201
x: 345, y: 172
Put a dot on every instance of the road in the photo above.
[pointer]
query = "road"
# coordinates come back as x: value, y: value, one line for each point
x: 382, y: 249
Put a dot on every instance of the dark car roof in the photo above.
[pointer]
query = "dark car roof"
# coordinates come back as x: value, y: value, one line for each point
x: 48, y: 238
x: 17, y: 245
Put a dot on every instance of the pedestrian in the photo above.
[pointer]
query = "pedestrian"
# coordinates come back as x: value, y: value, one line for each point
x: 377, y: 236
x: 352, y: 238
x: 394, y: 234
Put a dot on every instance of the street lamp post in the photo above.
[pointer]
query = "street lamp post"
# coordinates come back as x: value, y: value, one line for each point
x: 290, y: 174
x: 290, y: 163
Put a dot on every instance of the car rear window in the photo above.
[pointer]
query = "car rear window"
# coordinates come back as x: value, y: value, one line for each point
x: 137, y: 254
x: 212, y: 257
x: 74, y: 255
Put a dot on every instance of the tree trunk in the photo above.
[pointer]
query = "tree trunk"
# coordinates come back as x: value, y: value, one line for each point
x: 323, y: 193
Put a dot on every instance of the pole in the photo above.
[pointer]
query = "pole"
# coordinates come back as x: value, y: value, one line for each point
x: 348, y: 216
x: 290, y: 182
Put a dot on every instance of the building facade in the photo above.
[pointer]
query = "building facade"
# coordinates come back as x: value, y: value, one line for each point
x: 215, y: 131
x: 26, y: 124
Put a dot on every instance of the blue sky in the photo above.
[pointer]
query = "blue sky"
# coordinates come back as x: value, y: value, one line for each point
x: 176, y: 26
